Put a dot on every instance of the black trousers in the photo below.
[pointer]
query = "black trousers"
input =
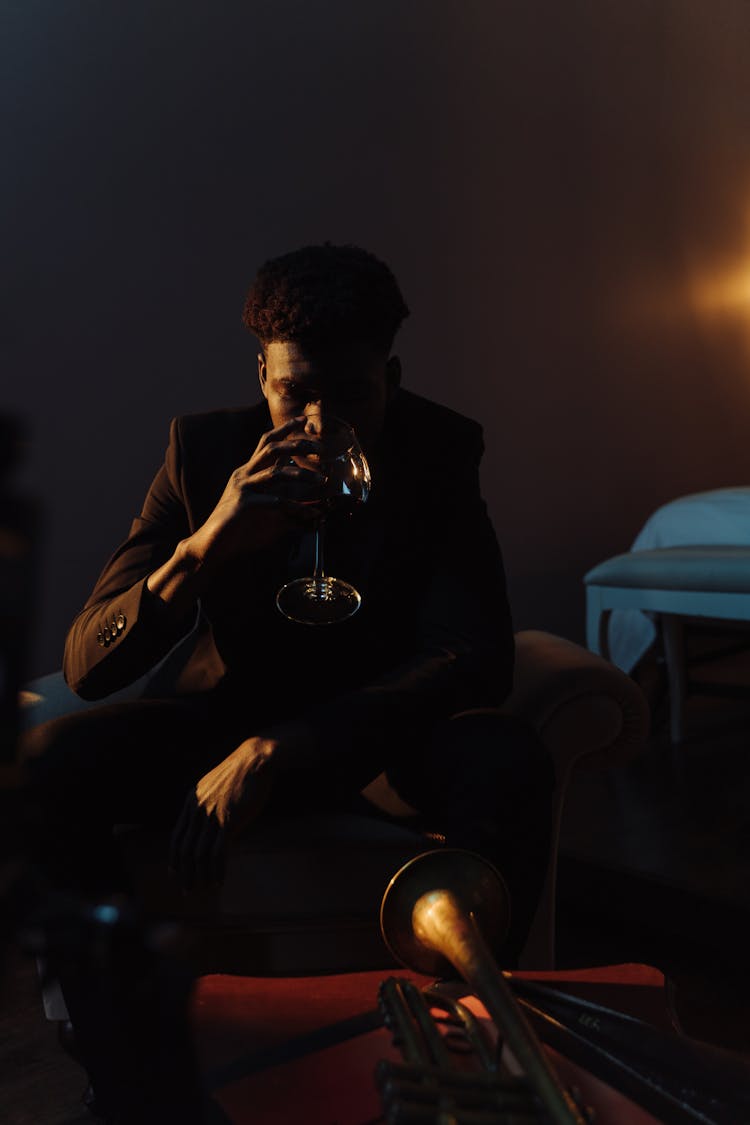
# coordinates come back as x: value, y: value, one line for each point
x: 481, y: 779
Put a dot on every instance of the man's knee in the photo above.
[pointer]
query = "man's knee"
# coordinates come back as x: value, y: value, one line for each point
x: 59, y: 758
x: 488, y: 744
x: 41, y: 748
x: 477, y: 759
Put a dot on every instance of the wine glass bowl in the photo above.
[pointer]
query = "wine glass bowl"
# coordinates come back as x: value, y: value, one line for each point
x: 342, y: 482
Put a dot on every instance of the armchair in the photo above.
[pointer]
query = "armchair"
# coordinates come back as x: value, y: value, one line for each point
x: 311, y: 904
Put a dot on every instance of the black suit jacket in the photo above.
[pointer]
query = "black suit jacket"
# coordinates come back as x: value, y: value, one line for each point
x: 433, y: 635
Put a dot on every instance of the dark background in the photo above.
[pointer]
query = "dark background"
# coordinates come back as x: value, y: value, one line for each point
x: 562, y: 188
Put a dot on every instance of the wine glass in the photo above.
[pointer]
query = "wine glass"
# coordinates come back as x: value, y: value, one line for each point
x: 343, y: 483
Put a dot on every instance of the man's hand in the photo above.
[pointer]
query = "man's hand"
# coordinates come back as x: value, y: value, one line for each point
x: 225, y: 802
x: 261, y: 495
x: 260, y: 500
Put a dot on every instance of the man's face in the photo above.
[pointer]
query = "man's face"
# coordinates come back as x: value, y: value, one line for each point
x: 349, y: 381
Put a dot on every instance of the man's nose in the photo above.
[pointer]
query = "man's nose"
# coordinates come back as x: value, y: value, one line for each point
x: 316, y: 417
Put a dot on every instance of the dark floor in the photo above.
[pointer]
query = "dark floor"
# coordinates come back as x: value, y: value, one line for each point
x: 654, y: 868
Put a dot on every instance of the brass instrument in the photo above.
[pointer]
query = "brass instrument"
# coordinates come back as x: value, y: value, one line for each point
x: 438, y: 911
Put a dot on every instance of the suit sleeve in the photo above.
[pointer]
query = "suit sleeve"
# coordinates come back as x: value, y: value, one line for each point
x: 123, y: 630
x: 464, y: 648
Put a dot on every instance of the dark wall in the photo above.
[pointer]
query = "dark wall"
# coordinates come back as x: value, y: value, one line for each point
x: 561, y: 188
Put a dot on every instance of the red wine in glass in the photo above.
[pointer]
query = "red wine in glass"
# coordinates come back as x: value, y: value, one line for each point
x: 344, y: 483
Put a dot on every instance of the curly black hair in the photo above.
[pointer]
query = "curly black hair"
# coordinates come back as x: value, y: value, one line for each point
x: 321, y: 294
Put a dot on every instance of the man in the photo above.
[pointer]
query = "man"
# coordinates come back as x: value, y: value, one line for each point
x: 267, y: 717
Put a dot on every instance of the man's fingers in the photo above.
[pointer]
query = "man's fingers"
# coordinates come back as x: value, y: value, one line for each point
x: 203, y: 852
x: 279, y: 434
x: 287, y: 472
x: 186, y: 846
x: 294, y: 424
x: 279, y: 452
x: 218, y: 858
x: 180, y: 828
x: 197, y: 845
x: 283, y: 482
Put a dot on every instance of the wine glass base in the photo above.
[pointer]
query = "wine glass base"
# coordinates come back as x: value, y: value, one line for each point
x: 325, y: 602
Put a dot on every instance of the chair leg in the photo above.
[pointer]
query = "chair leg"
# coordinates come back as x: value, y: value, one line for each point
x: 538, y: 953
x: 539, y: 950
x: 55, y: 1008
x: 673, y: 634
x: 597, y: 623
x: 604, y: 633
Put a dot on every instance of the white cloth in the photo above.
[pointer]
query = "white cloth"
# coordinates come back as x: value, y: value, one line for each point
x: 717, y: 518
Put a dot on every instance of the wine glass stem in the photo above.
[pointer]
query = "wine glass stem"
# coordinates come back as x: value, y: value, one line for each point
x: 319, y: 572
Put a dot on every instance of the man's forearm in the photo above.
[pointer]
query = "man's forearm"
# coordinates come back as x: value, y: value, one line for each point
x: 179, y: 582
x: 115, y: 640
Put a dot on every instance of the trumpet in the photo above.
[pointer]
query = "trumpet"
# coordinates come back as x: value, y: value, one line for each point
x: 440, y: 911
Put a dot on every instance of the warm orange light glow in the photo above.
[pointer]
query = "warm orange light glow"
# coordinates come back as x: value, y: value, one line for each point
x: 721, y: 289
x: 701, y: 288
x: 727, y: 292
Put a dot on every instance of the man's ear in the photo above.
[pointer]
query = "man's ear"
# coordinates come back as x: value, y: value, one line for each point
x: 262, y: 374
x: 393, y: 375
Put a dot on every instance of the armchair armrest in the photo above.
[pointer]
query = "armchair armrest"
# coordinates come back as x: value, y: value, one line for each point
x: 587, y: 712
x: 49, y: 697
x: 582, y: 706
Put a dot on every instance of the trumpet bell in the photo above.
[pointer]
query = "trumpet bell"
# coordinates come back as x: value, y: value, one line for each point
x: 472, y: 880
x: 447, y: 909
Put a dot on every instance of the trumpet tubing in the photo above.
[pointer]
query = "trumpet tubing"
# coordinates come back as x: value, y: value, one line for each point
x: 437, y: 909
